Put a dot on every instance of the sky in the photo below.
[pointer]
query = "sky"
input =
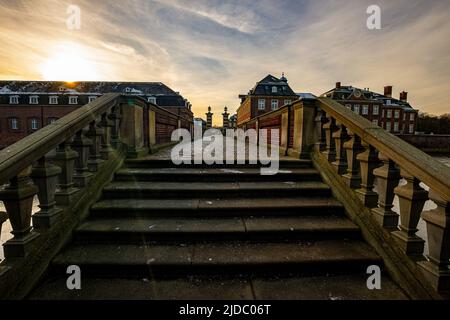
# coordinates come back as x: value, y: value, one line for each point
x: 213, y: 50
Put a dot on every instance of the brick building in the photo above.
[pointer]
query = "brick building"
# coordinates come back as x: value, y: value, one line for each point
x: 267, y: 95
x: 26, y: 106
x: 395, y: 115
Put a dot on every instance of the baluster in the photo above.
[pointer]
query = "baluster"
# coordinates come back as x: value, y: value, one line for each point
x: 65, y: 159
x: 411, y: 199
x: 330, y: 128
x: 94, y: 134
x: 106, y: 124
x: 353, y: 147
x: 388, y: 177
x: 368, y: 161
x: 45, y: 176
x: 320, y: 121
x: 115, y: 116
x: 18, y: 200
x: 81, y: 146
x: 437, y: 270
x: 340, y: 137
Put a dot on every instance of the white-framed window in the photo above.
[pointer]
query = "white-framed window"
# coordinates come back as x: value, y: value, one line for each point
x: 34, y: 124
x: 388, y: 126
x: 411, y: 128
x: 411, y: 117
x: 349, y: 106
x: 152, y: 100
x: 375, y: 122
x: 356, y: 108
x: 388, y: 102
x: 92, y: 98
x: 365, y: 109
x: 397, y: 114
x: 274, y: 104
x: 14, y: 123
x: 53, y: 100
x: 274, y: 89
x: 73, y: 100
x: 389, y: 113
x: 396, y: 126
x: 376, y: 110
x: 34, y: 100
x: 14, y: 100
x: 287, y: 101
x: 262, y: 104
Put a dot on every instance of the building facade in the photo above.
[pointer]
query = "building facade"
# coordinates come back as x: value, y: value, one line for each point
x: 27, y: 106
x: 267, y: 95
x: 394, y: 115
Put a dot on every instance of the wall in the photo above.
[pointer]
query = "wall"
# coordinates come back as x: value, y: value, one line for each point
x: 428, y: 142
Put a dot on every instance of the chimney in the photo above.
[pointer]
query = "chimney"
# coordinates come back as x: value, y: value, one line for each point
x: 338, y: 85
x: 404, y: 96
x: 388, y: 91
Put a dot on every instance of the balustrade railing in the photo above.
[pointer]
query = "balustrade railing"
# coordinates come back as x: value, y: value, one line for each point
x: 57, y: 163
x: 373, y: 153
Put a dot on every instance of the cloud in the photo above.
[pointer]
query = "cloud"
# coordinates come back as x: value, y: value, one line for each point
x: 212, y: 50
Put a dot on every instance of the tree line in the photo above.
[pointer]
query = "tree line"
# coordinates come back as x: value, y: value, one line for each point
x: 433, y: 124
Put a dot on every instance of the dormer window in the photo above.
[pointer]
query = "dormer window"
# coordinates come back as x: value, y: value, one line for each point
x: 151, y: 100
x: 73, y: 100
x: 34, y: 100
x: 274, y: 90
x: 128, y: 90
x: 53, y: 100
x: 14, y: 100
x: 92, y: 98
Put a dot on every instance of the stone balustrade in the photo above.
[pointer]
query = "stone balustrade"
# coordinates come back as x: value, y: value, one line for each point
x: 63, y: 165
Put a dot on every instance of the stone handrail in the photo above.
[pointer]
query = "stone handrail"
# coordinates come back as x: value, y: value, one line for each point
x: 358, y: 152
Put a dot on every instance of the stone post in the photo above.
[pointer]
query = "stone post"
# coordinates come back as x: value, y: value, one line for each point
x: 437, y: 269
x: 106, y: 148
x: 115, y: 116
x: 18, y: 199
x: 411, y: 199
x: 353, y: 147
x: 304, y: 138
x: 45, y: 176
x: 388, y: 177
x: 340, y: 137
x: 94, y: 134
x: 132, y: 129
x: 81, y: 145
x: 65, y: 159
x: 368, y: 161
x: 330, y: 128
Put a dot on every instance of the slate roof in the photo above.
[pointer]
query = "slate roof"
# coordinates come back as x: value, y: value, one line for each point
x: 264, y: 87
x: 346, y: 92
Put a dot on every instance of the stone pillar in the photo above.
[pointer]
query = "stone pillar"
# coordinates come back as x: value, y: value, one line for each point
x: 330, y: 149
x: 65, y: 159
x: 106, y: 148
x: 94, y: 134
x: 437, y: 269
x: 132, y: 130
x: 18, y: 199
x: 368, y: 161
x: 209, y: 116
x: 353, y: 147
x: 81, y: 145
x: 340, y: 137
x: 304, y: 137
x: 225, y: 116
x: 45, y: 176
x: 411, y: 199
x: 388, y: 177
x: 115, y: 116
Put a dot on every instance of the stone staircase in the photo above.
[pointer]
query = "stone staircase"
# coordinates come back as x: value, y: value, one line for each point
x: 216, y: 232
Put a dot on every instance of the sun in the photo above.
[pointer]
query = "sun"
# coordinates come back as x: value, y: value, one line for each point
x: 70, y: 62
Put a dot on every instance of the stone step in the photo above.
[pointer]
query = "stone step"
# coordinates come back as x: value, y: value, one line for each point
x: 233, y: 228
x: 152, y: 162
x: 215, y: 207
x: 193, y: 287
x: 217, y: 174
x: 131, y: 260
x: 178, y: 190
